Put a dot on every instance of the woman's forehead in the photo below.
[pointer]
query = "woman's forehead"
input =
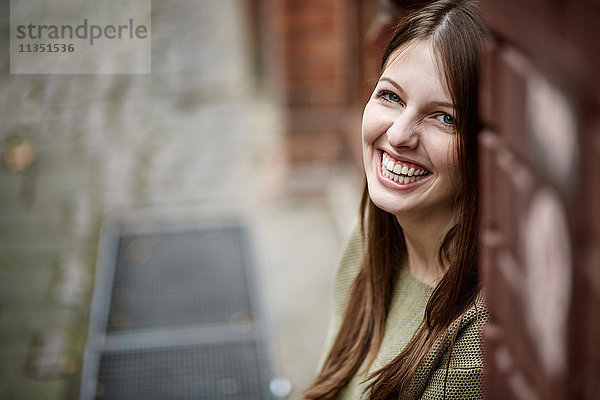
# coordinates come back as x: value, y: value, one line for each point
x: 410, y: 46
x: 418, y: 61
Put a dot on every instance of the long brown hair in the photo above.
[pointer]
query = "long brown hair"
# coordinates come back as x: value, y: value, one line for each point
x: 454, y: 28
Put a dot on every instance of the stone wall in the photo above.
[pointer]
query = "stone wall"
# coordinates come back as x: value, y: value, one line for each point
x: 539, y: 153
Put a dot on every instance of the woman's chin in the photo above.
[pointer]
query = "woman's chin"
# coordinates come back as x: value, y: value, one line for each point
x: 390, y: 202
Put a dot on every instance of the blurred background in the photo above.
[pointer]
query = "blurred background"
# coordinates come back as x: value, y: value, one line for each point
x: 245, y: 139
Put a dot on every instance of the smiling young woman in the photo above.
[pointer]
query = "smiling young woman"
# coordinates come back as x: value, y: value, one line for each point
x: 408, y: 309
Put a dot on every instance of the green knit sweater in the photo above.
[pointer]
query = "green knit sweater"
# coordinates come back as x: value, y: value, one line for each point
x: 455, y: 374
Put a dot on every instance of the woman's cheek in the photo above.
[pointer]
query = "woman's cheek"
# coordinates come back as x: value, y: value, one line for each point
x: 452, y: 165
x: 374, y: 124
x: 366, y: 122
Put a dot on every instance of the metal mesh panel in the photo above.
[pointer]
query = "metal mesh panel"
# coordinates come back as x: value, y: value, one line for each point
x: 182, y: 322
x: 214, y: 372
x: 178, y: 279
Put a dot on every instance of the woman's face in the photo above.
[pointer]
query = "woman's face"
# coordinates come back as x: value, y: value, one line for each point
x: 409, y: 136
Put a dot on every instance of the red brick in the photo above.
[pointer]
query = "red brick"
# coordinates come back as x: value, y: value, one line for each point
x: 583, y: 28
x: 311, y: 70
x: 503, y: 379
x: 557, y: 40
x: 488, y: 143
x: 511, y: 93
x: 495, y: 379
x: 517, y: 21
x: 506, y: 302
x: 560, y: 36
x: 316, y: 30
x: 585, y: 326
x: 315, y: 119
x: 488, y: 108
x: 326, y: 48
x: 351, y: 120
x: 320, y: 146
x: 315, y: 93
x: 298, y: 64
x: 506, y: 211
x: 311, y: 6
x: 590, y: 173
x: 321, y: 21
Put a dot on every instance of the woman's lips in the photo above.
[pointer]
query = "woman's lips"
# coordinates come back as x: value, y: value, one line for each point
x: 399, y: 174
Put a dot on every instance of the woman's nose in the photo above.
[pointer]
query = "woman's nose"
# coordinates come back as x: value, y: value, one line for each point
x: 404, y: 131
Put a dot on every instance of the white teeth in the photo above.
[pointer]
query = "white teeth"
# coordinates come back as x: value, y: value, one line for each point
x: 400, y: 173
x: 401, y: 179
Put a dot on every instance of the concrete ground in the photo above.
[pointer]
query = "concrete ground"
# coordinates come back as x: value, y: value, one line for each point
x: 194, y: 138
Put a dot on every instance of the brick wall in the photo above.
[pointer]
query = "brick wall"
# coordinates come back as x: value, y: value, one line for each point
x: 315, y: 48
x: 540, y: 175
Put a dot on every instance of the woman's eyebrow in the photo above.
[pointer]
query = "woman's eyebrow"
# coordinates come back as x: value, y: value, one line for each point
x: 443, y: 104
x: 403, y: 93
x: 393, y: 83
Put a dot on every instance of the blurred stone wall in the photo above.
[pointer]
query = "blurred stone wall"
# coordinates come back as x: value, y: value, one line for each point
x: 541, y: 224
x: 192, y: 137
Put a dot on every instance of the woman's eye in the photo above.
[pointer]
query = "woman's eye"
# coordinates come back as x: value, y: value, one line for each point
x: 389, y: 96
x: 446, y: 119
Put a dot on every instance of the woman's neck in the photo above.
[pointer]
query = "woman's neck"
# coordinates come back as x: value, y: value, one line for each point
x: 423, y: 237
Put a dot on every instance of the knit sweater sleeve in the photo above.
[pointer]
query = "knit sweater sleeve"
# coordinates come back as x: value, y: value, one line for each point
x: 458, y: 372
x: 453, y: 383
